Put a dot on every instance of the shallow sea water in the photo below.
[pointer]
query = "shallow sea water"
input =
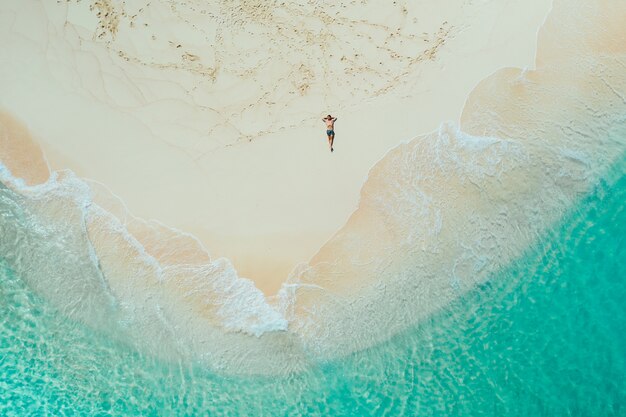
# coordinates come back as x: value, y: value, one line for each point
x: 545, y: 337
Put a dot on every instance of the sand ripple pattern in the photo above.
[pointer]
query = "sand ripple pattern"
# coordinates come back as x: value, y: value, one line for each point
x: 248, y: 68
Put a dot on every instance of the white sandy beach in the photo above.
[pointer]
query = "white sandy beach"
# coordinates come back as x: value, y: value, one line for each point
x: 225, y: 148
x: 208, y: 118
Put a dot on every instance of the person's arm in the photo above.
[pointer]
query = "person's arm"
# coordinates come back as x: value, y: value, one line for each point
x: 334, y: 120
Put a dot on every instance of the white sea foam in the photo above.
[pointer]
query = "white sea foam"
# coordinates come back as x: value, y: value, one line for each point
x: 73, y: 252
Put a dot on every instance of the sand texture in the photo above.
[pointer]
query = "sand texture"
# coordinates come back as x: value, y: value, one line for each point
x: 205, y: 116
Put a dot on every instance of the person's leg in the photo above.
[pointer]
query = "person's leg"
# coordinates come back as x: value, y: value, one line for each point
x: 330, y: 143
x: 332, y: 139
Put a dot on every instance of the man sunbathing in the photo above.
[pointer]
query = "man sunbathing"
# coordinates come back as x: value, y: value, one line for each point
x: 330, y: 130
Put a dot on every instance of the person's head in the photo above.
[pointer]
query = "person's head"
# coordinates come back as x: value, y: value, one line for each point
x: 329, y: 117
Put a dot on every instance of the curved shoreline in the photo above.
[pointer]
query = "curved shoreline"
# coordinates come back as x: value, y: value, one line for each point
x: 412, y: 246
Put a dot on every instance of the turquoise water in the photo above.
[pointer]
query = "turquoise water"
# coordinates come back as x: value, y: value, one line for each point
x: 546, y: 337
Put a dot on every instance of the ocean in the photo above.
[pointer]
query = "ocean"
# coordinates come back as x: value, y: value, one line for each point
x: 544, y: 337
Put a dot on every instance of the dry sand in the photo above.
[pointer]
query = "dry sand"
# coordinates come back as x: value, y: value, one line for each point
x: 208, y: 117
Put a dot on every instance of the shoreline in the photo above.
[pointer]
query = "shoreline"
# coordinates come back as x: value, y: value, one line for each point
x: 437, y: 216
x: 285, y: 182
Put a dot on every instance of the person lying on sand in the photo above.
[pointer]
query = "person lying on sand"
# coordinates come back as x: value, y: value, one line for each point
x: 330, y: 130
